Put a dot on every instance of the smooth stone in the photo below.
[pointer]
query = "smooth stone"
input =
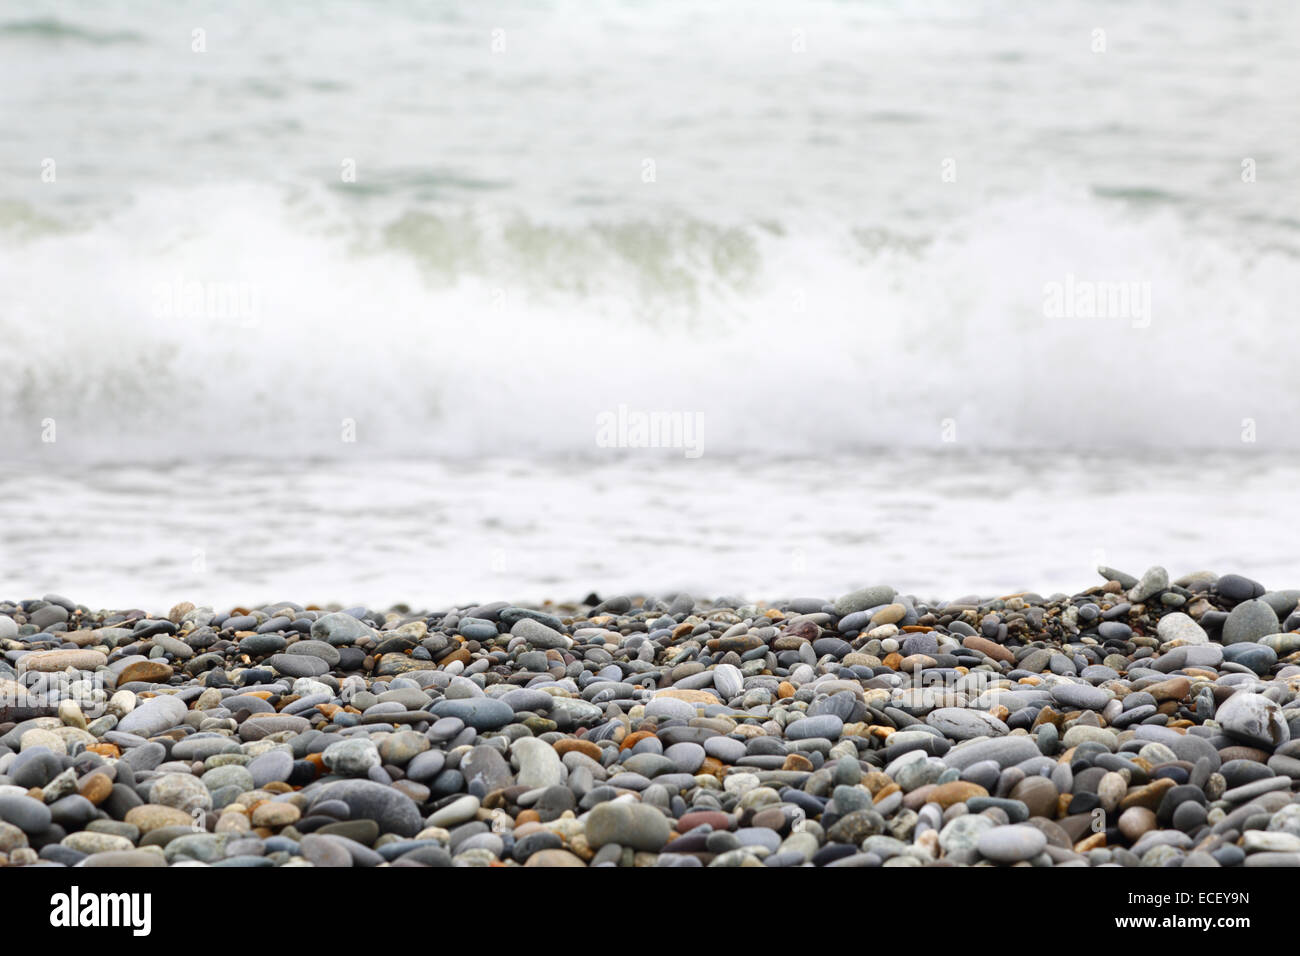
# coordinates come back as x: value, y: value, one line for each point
x: 270, y: 767
x: 458, y: 811
x: 153, y: 716
x: 1012, y: 843
x: 1248, y: 622
x: 30, y: 816
x: 1080, y: 696
x: 539, y: 764
x: 827, y: 725
x: 481, y: 713
x: 1005, y: 751
x: 634, y: 825
x: 393, y: 810
x: 959, y: 723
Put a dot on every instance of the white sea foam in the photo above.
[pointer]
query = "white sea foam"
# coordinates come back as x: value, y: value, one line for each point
x: 228, y: 320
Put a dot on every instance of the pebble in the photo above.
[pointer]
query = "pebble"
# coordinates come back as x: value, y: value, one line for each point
x: 632, y: 825
x: 153, y: 716
x: 1253, y: 719
x: 871, y: 729
x: 1248, y: 622
x: 539, y: 764
x: 1011, y: 843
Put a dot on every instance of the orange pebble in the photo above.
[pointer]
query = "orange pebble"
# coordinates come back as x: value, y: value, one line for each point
x: 633, y: 739
x: 1096, y: 841
x: 586, y: 747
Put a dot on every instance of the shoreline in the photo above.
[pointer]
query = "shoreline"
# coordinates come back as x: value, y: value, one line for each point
x: 1137, y: 721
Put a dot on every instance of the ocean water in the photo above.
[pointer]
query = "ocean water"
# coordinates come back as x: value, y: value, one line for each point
x: 951, y: 294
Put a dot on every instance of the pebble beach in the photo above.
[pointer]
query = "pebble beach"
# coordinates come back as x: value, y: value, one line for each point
x: 1140, y: 721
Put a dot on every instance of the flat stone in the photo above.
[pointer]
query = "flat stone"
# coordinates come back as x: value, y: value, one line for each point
x: 153, y: 716
x: 863, y: 599
x: 454, y: 813
x: 960, y: 723
x: 322, y: 649
x: 298, y: 665
x: 633, y: 825
x: 988, y: 648
x: 481, y: 713
x: 1080, y: 697
x: 258, y: 726
x: 61, y: 660
x: 393, y: 810
x: 270, y: 767
x: 153, y: 816
x: 728, y: 680
x: 145, y: 670
x: 554, y: 858
x: 322, y: 851
x: 1012, y: 843
x: 827, y: 725
x: 124, y: 858
x: 1005, y: 751
x: 957, y: 791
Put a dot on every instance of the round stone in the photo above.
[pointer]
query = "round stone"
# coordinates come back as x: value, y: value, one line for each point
x: 274, y: 814
x: 1249, y: 621
x: 271, y: 767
